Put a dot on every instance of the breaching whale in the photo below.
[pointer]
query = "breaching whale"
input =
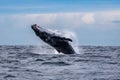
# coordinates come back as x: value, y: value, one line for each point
x: 61, y: 44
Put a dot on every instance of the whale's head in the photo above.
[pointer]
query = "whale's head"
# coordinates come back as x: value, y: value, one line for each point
x: 37, y: 29
x: 41, y: 32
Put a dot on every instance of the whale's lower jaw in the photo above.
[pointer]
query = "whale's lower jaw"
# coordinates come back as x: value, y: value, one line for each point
x: 61, y: 44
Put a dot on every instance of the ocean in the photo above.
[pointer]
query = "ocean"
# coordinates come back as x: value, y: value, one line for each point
x: 43, y: 63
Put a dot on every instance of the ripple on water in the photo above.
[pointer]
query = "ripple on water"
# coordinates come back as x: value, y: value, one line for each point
x: 61, y: 63
x: 25, y: 63
x: 9, y: 76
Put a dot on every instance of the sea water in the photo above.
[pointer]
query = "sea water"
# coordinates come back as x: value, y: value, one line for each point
x: 42, y: 63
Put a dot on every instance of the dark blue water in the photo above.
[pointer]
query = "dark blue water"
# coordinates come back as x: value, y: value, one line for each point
x: 41, y: 63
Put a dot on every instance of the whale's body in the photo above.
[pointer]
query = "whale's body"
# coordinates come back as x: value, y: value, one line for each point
x: 61, y: 44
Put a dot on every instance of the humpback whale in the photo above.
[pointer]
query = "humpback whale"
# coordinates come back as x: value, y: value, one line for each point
x: 61, y: 44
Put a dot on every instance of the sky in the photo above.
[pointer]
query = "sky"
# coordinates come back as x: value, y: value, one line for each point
x: 92, y: 22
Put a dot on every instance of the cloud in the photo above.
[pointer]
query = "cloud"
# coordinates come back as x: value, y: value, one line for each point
x: 63, y: 20
x: 53, y: 19
x: 107, y: 17
x: 88, y: 18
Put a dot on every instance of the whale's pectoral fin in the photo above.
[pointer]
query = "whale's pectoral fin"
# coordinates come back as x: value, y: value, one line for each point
x: 68, y: 39
x: 62, y: 38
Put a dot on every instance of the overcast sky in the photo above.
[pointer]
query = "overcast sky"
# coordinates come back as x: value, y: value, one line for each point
x: 93, y: 22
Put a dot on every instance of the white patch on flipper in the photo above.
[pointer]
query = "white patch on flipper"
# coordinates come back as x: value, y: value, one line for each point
x: 55, y: 51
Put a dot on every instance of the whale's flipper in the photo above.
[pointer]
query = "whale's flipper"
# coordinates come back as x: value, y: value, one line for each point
x: 61, y: 38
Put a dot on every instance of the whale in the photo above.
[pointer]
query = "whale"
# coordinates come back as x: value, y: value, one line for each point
x: 60, y: 43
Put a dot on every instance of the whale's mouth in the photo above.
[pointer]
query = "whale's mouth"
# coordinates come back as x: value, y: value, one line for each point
x: 35, y: 27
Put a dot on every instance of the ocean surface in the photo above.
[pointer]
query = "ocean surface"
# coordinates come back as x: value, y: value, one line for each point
x: 42, y: 63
